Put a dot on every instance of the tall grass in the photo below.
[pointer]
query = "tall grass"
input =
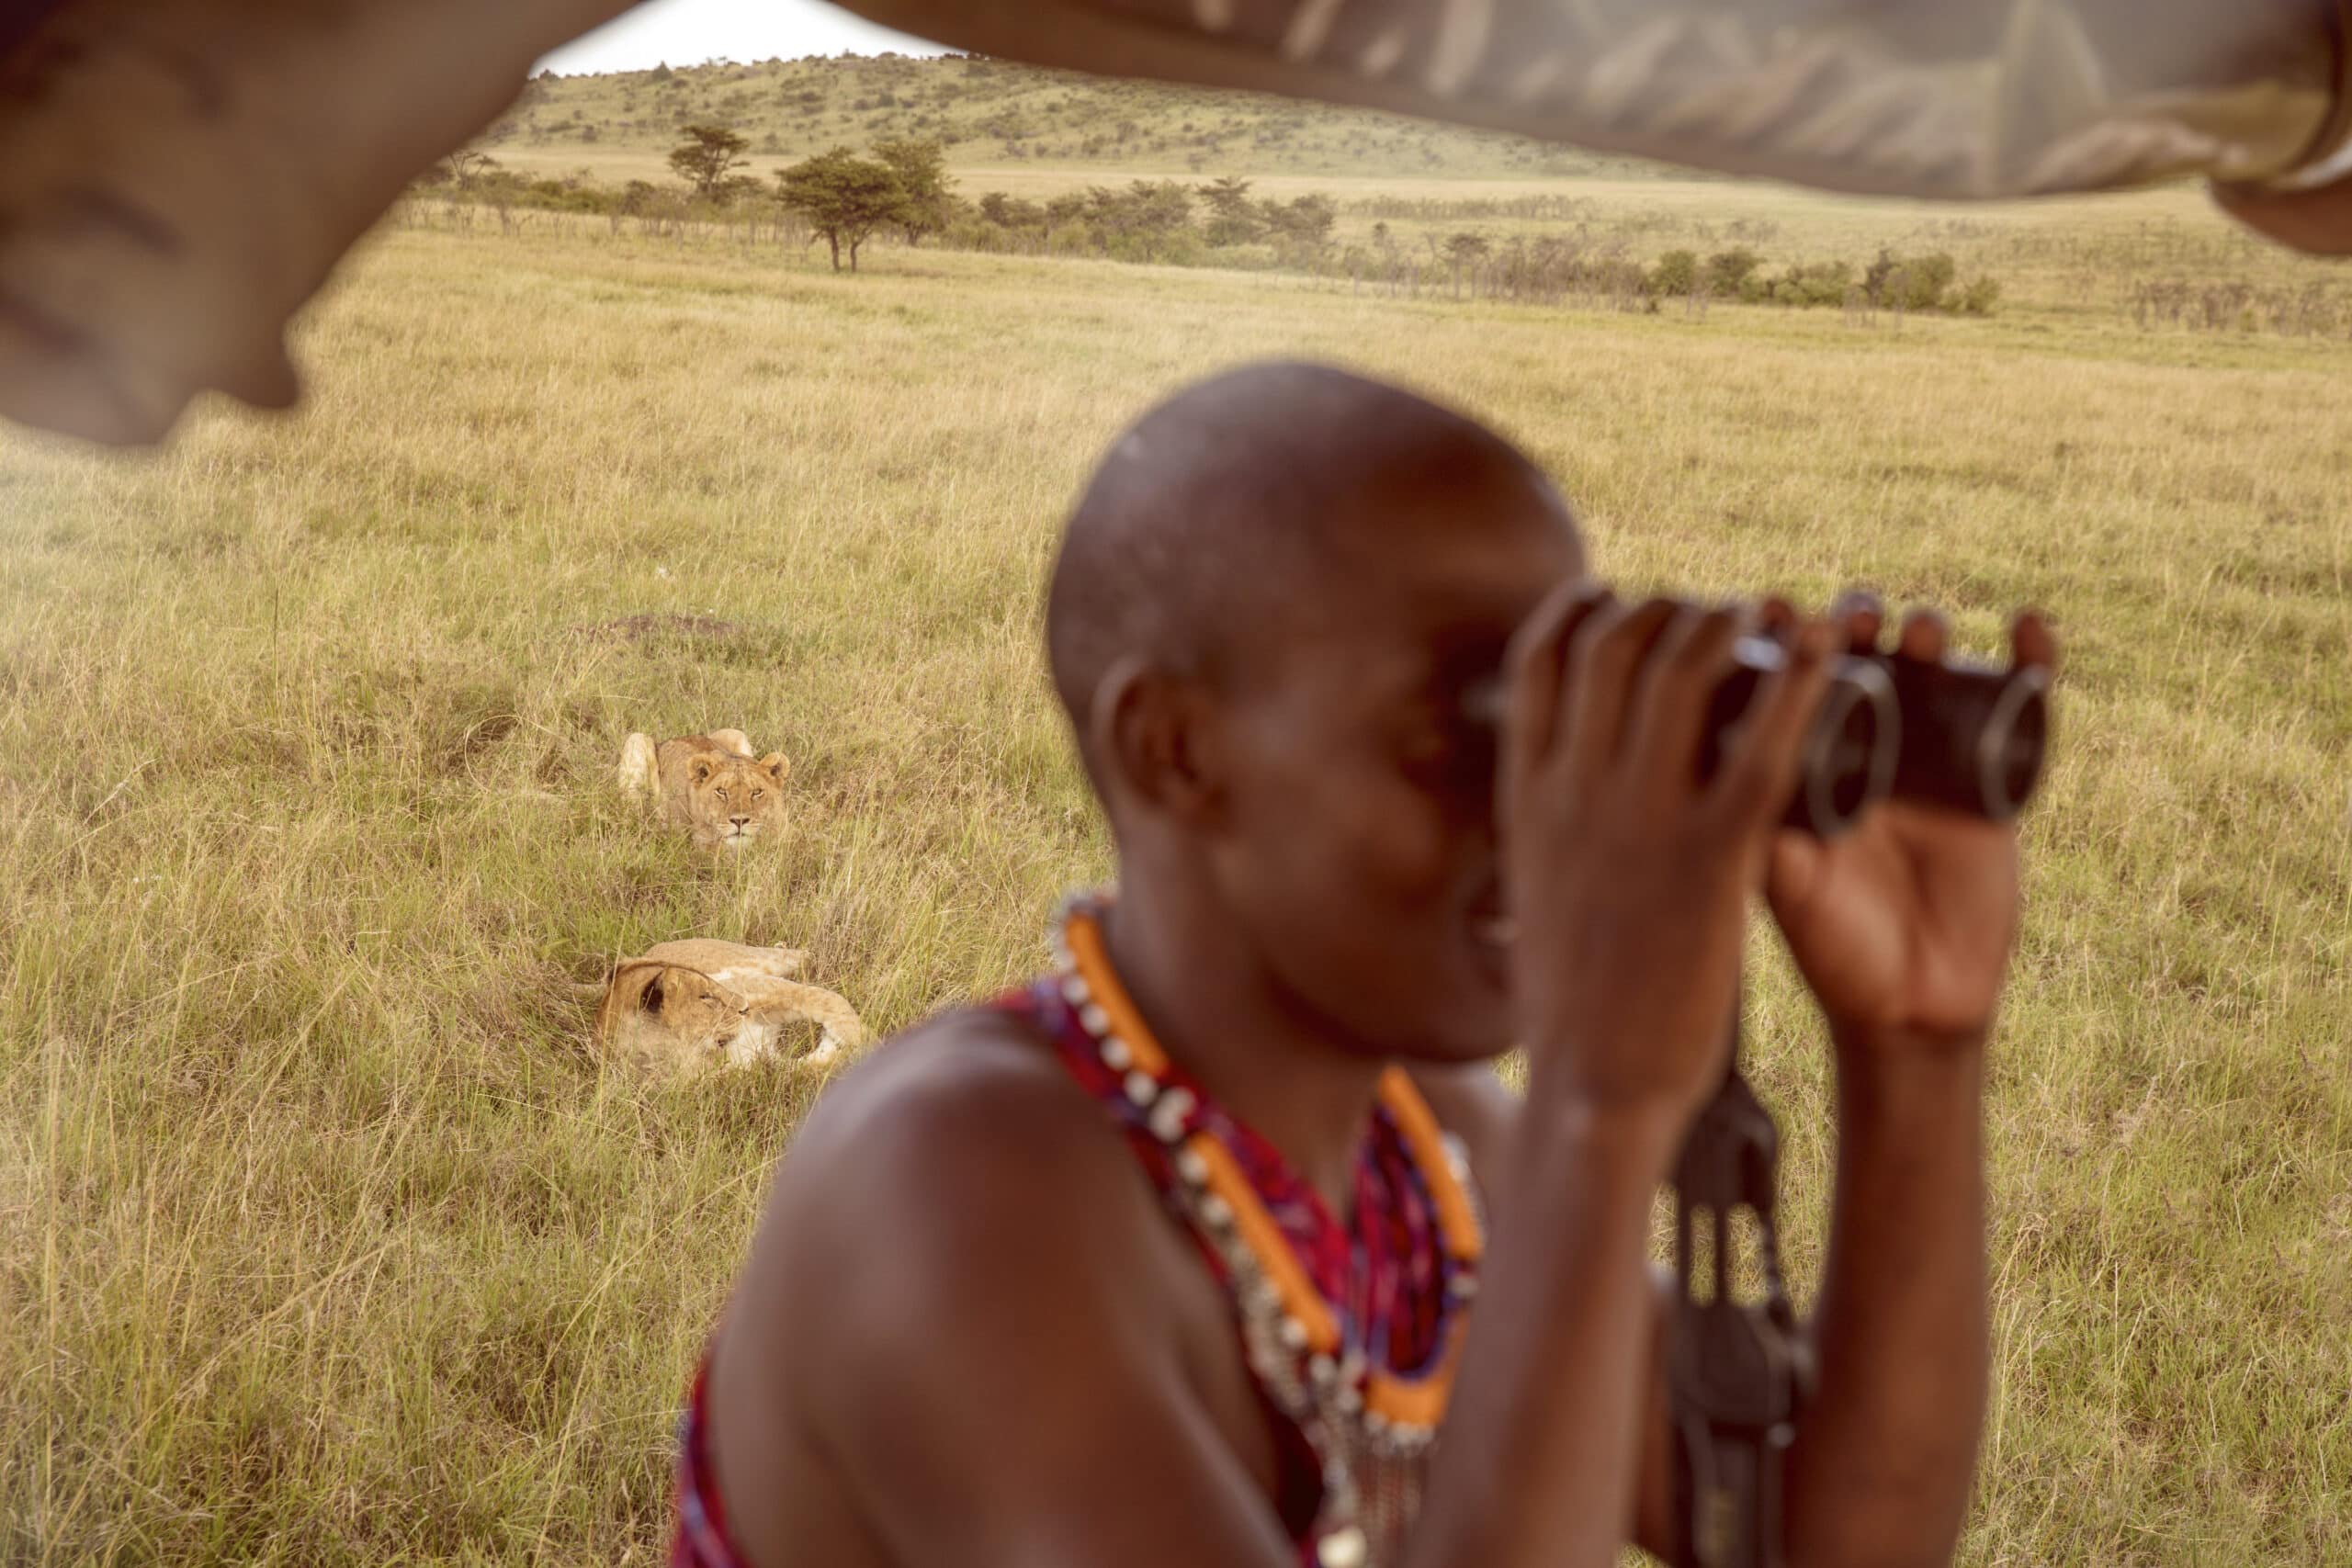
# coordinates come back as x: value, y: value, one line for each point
x: 326, y: 1237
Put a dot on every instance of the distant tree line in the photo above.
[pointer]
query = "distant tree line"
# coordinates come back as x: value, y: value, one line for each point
x: 1889, y: 282
x: 903, y: 189
x: 1165, y: 221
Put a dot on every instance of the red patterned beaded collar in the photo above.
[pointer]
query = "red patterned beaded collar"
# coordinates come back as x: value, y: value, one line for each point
x: 1369, y: 1424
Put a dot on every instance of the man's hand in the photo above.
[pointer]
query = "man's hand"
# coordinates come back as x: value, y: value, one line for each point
x: 1903, y: 926
x: 2318, y: 222
x: 1629, y: 876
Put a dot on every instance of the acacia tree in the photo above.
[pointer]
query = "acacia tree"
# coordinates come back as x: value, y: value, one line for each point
x: 923, y: 184
x: 843, y: 196
x: 1233, y: 217
x: 1303, y: 223
x: 1464, y: 252
x: 707, y: 156
x: 464, y: 166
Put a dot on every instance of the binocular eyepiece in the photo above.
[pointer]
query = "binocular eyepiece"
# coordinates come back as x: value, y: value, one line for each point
x: 1967, y: 738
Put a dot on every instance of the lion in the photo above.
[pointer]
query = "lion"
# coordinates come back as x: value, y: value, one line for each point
x: 685, y: 1005
x: 710, y: 784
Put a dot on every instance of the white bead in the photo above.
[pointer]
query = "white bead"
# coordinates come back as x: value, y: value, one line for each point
x: 1462, y: 1287
x: 1343, y: 1548
x: 1116, y: 1055
x: 1294, y: 1333
x: 1140, y: 1088
x: 1096, y: 1020
x: 1323, y: 1369
x: 1374, y: 1423
x: 1350, y: 1399
x: 1074, y: 992
x: 1168, y: 1116
x: 1191, y: 1167
x: 1215, y: 1212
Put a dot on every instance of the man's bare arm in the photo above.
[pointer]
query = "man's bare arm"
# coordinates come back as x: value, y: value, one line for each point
x: 1884, y: 1456
x: 956, y: 1300
x: 1903, y: 930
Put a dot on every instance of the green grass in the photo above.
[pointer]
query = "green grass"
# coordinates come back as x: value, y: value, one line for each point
x: 326, y: 1237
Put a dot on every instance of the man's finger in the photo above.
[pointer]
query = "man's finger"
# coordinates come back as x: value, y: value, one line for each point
x: 1860, y: 617
x: 1794, y: 871
x: 1676, y: 691
x: 1534, y: 665
x: 1924, y: 636
x: 1759, y: 769
x: 1602, y: 658
x: 2032, y: 645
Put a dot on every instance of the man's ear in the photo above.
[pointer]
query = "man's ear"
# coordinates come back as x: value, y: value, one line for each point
x: 1159, y: 737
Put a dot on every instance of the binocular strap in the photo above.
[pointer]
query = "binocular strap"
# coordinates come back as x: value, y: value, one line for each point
x: 1738, y: 1371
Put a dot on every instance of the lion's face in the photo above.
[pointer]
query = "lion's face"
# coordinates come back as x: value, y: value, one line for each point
x: 732, y: 800
x: 666, y: 1016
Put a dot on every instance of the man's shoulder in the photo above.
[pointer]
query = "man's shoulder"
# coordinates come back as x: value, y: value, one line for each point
x: 966, y: 1130
x: 957, y: 1225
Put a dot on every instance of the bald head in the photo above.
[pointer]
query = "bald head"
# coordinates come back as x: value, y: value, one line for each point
x: 1225, y: 518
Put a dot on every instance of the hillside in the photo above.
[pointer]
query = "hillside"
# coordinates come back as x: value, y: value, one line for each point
x: 992, y: 114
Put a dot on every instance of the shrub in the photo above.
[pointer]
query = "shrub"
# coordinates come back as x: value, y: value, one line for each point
x: 1674, y: 274
x: 1728, y: 271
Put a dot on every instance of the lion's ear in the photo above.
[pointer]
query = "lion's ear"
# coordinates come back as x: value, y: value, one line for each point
x: 775, y: 766
x: 700, y: 769
x: 650, y: 1000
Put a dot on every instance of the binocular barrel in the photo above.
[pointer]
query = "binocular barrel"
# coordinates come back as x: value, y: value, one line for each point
x: 1847, y: 764
x: 1974, y: 736
x: 1967, y: 738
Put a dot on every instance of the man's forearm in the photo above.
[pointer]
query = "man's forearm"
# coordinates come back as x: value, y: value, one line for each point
x: 1884, y: 1454
x: 1538, y: 1462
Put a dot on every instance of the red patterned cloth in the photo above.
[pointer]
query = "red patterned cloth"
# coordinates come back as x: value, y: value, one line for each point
x: 700, y: 1538
x: 1384, y: 1276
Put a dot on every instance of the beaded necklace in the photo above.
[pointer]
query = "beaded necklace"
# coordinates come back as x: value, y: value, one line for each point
x: 1325, y: 1317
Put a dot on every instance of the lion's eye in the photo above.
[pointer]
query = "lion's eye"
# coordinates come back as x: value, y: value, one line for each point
x: 757, y: 793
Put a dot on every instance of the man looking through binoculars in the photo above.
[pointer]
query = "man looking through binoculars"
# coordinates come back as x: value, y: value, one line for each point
x: 1191, y: 1252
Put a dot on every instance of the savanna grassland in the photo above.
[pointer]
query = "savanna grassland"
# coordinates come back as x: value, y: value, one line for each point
x: 994, y: 114
x: 325, y: 1235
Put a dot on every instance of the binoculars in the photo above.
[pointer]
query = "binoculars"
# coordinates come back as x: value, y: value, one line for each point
x: 1967, y: 738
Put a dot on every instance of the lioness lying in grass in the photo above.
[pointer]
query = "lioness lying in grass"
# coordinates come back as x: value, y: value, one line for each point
x: 691, y: 1004
x: 710, y: 784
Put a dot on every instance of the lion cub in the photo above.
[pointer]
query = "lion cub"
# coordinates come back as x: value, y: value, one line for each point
x: 711, y: 784
x: 691, y: 1004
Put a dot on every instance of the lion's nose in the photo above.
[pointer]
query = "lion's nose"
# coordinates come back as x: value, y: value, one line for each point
x: 739, y: 821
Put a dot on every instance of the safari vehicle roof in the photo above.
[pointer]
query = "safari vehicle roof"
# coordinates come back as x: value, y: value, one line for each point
x: 178, y: 176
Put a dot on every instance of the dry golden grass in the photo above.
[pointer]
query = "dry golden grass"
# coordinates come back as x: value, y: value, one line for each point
x: 325, y: 1239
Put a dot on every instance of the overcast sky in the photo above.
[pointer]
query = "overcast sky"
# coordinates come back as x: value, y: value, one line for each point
x: 687, y: 32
